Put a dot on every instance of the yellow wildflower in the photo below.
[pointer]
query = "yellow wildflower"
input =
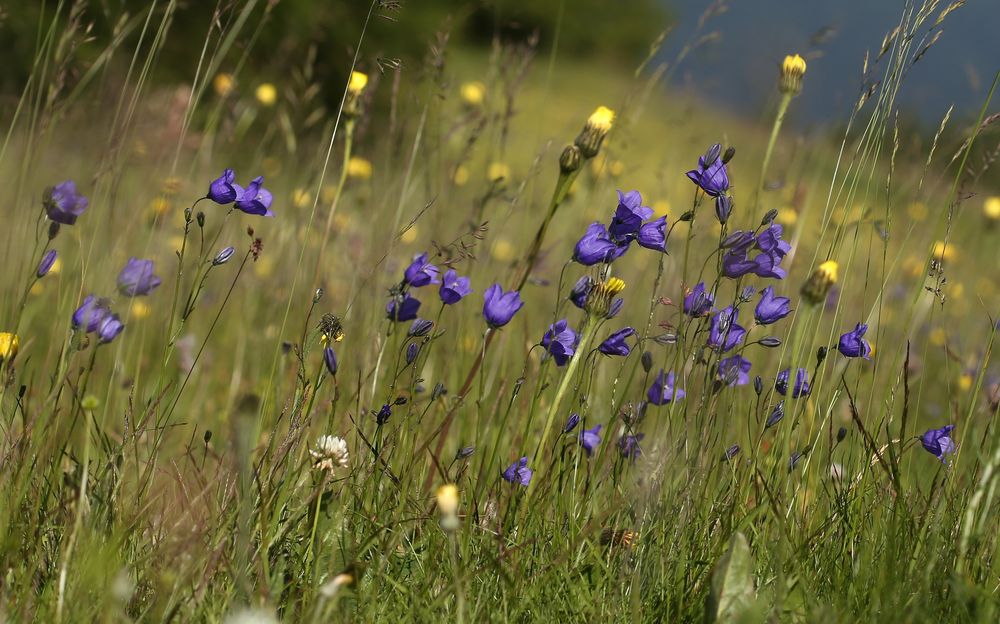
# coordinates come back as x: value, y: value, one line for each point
x: 473, y: 93
x: 266, y: 94
x: 9, y: 346
x: 223, y: 84
x: 360, y: 168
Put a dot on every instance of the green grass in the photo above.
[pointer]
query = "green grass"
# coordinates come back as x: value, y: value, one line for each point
x: 167, y: 475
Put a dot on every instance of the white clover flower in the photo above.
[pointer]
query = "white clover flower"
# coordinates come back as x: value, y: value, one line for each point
x: 330, y: 453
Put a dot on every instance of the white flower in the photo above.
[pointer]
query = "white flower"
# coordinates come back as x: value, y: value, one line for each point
x: 330, y: 453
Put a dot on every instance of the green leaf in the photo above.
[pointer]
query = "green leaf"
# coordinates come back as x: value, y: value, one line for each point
x: 732, y: 598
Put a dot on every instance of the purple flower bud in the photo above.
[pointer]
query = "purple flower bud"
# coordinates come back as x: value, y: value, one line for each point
x: 420, y: 328
x: 615, y: 344
x: 465, y: 452
x: 46, y: 264
x: 616, y: 306
x: 711, y: 175
x: 776, y: 415
x: 412, y: 350
x: 223, y: 256
x: 770, y: 342
x: 383, y: 414
x: 723, y: 208
x: 571, y: 422
x: 731, y: 452
x: 852, y: 344
x: 801, y: 387
x: 581, y: 291
x: 330, y: 359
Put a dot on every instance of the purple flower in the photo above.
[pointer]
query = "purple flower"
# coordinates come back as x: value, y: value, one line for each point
x: 615, y: 307
x: 571, y: 422
x: 590, y: 438
x: 737, y: 263
x: 615, y: 344
x: 137, y: 278
x: 653, y: 235
x: 499, y: 307
x: 110, y: 327
x: 711, y: 175
x: 628, y: 216
x: 735, y: 370
x: 852, y: 344
x: 224, y: 190
x: 725, y: 333
x: 90, y: 314
x: 628, y: 446
x: 801, y: 387
x: 518, y: 472
x: 403, y: 308
x: 330, y: 359
x: 420, y: 272
x: 560, y: 340
x: 255, y: 199
x: 596, y: 246
x: 663, y: 391
x: 776, y: 415
x: 420, y: 328
x: 698, y: 302
x: 63, y: 204
x: 938, y: 443
x: 454, y: 288
x: 771, y: 309
x: 46, y: 264
x: 723, y: 208
x: 581, y: 291
x: 731, y: 452
x: 383, y: 415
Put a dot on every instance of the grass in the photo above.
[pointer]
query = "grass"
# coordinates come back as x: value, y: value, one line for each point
x: 175, y: 473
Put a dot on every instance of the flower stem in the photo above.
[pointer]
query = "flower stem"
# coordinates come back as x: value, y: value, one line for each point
x: 786, y: 99
x: 586, y: 335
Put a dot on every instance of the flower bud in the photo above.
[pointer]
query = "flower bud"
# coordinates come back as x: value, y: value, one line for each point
x: 570, y: 159
x: 46, y: 264
x: 820, y: 355
x: 412, y: 350
x: 769, y: 217
x: 223, y: 256
x: 758, y: 385
x: 792, y: 70
x: 647, y: 361
x: 465, y: 452
x: 9, y: 346
x: 439, y: 391
x: 330, y: 360
x: 420, y: 328
x: 770, y: 342
x: 200, y: 218
x: 728, y: 155
x: 597, y: 127
x: 817, y: 287
x: 53, y: 230
x: 723, y: 208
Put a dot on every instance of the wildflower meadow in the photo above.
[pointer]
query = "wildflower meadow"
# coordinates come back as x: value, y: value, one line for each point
x: 487, y: 333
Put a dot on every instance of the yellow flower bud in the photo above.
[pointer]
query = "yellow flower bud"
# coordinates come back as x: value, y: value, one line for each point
x: 266, y: 94
x: 792, y: 70
x: 447, y: 499
x: 139, y: 310
x: 9, y: 346
x: 357, y: 83
x: 818, y: 286
x: 597, y: 127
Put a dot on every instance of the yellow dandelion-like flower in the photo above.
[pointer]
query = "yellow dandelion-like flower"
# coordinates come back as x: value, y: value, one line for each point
x: 410, y: 235
x: 597, y: 127
x: 223, y: 84
x: 301, y: 198
x: 917, y: 211
x: 497, y: 171
x: 461, y: 175
x: 943, y: 252
x: 139, y: 309
x: 447, y: 499
x: 503, y: 250
x: 817, y: 287
x: 266, y: 94
x: 991, y: 208
x: 159, y: 206
x: 473, y: 93
x: 359, y: 168
x: 616, y: 168
x: 9, y: 346
x: 965, y: 382
x: 913, y: 266
x: 661, y: 207
x: 938, y: 337
x: 792, y: 70
x: 357, y: 83
x: 787, y: 216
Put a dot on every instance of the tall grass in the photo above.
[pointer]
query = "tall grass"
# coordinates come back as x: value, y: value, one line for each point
x: 179, y: 471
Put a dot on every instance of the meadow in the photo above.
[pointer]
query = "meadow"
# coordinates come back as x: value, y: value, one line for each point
x: 501, y: 335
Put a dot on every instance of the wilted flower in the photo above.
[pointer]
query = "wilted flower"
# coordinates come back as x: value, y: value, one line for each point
x: 770, y: 308
x: 10, y: 344
x: 571, y: 422
x: 109, y: 328
x: 223, y: 256
x: 560, y: 340
x: 938, y: 442
x: 454, y: 288
x: 711, y: 174
x: 628, y: 446
x: 46, y: 263
x: 63, y: 204
x: 90, y: 314
x: 255, y: 199
x: 725, y: 333
x: 663, y: 391
x: 698, y: 302
x: 137, y: 278
x: 224, y: 190
x: 801, y: 387
x: 518, y: 472
x: 329, y: 453
x: 816, y: 288
x: 852, y: 344
x: 735, y: 370
x: 330, y: 360
x: 792, y: 70
x: 499, y: 307
x: 597, y: 127
x: 590, y: 438
x: 615, y: 344
x: 420, y: 272
x: 403, y: 308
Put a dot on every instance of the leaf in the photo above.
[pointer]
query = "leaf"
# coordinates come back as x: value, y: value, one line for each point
x: 732, y: 598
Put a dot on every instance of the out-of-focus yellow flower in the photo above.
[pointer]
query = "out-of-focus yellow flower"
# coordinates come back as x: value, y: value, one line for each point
x: 616, y: 168
x: 56, y: 266
x: 328, y: 193
x: 787, y: 216
x: 223, y: 84
x: 447, y: 498
x: 792, y: 70
x: 943, y: 252
x: 139, y: 309
x: 176, y: 242
x: 9, y: 346
x: 503, y: 250
x: 159, y: 206
x: 270, y: 165
x: 473, y: 93
x: 913, y: 266
x: 817, y: 287
x: 470, y: 344
x: 991, y: 208
x: 497, y: 171
x: 661, y: 207
x: 341, y: 221
x: 264, y: 266
x: 917, y: 211
x: 985, y: 286
x: 172, y: 186
x: 599, y: 167
x: 357, y: 83
x: 965, y: 382
x: 597, y: 127
x: 938, y: 337
x: 266, y: 94
x: 36, y: 289
x: 301, y: 198
x: 410, y: 235
x: 461, y: 175
x: 359, y: 168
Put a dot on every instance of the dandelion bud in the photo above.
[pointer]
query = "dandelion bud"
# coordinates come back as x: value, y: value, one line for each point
x: 728, y: 155
x: 570, y: 159
x: 357, y: 83
x: 603, y: 295
x: 9, y: 346
x: 817, y: 287
x: 53, y: 230
x: 201, y: 218
x: 769, y: 217
x: 792, y: 70
x: 647, y: 361
x: 597, y: 127
x: 46, y: 264
x: 223, y: 256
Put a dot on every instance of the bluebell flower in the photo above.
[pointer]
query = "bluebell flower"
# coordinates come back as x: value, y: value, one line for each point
x: 255, y: 199
x: 412, y: 350
x: 384, y: 413
x: 596, y: 246
x: 852, y: 344
x: 223, y: 256
x: 629, y: 215
x: 698, y: 302
x: 581, y: 291
x: 938, y: 442
x: 653, y: 235
x: 737, y: 263
x: 420, y: 327
x: 109, y: 328
x: 454, y: 288
x: 801, y: 387
x: 771, y: 309
x: 137, y: 278
x: 711, y: 174
x: 518, y: 472
x: 590, y: 438
x: 224, y: 190
x: 735, y: 370
x: 615, y: 344
x: 63, y: 204
x: 663, y: 391
x: 499, y: 307
x: 420, y: 272
x: 725, y: 333
x: 403, y: 308
x: 90, y: 314
x: 628, y: 446
x: 731, y: 452
x: 560, y: 340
